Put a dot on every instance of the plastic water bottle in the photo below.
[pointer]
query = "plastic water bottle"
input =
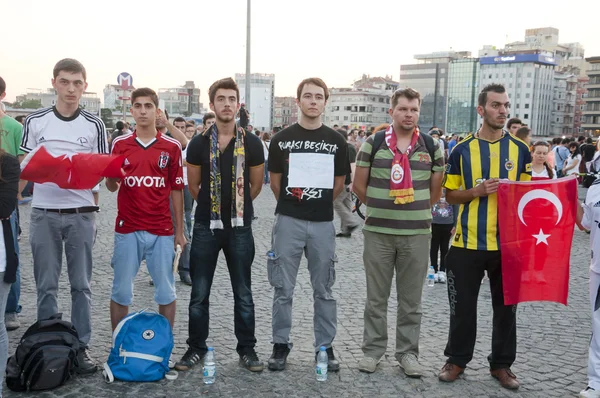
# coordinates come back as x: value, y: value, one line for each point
x: 430, y: 276
x: 322, y: 361
x: 210, y: 367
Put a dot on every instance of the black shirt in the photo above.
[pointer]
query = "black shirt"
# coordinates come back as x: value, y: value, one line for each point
x: 307, y: 203
x: 588, y: 150
x: 198, y: 154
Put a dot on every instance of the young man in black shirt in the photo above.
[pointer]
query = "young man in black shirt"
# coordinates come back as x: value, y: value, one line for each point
x: 308, y: 163
x: 225, y: 174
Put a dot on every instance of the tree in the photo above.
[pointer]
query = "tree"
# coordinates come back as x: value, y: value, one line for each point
x: 27, y: 104
x: 106, y: 116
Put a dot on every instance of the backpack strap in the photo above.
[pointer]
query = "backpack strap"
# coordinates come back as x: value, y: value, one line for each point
x: 108, y: 374
x: 377, y: 141
x: 430, y: 146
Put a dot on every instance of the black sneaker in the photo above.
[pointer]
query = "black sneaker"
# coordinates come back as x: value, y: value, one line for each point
x: 250, y: 361
x: 279, y: 356
x: 189, y: 359
x: 84, y: 364
x: 333, y: 364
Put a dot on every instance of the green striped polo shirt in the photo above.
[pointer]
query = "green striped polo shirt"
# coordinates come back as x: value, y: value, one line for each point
x: 383, y: 215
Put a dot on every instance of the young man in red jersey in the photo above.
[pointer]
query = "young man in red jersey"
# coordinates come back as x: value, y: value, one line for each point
x: 144, y: 227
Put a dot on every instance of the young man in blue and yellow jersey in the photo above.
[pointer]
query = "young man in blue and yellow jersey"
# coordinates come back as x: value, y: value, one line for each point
x: 474, y: 169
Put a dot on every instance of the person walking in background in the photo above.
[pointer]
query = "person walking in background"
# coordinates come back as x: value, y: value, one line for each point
x: 443, y: 226
x: 266, y: 142
x: 571, y: 164
x: 561, y: 154
x: 244, y: 117
x: 343, y: 203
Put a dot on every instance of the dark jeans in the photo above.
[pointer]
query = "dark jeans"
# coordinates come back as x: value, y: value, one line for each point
x: 238, y: 246
x: 267, y: 172
x: 465, y: 270
x: 440, y: 242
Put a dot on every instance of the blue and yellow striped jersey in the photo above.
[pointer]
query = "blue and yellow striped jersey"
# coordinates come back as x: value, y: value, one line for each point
x: 473, y: 161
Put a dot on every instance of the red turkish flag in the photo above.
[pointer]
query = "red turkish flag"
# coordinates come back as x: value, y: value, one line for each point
x: 78, y: 171
x: 536, y: 221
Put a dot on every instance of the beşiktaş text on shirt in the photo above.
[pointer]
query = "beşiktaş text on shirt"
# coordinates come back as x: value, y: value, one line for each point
x: 591, y: 221
x: 80, y: 133
x: 309, y: 161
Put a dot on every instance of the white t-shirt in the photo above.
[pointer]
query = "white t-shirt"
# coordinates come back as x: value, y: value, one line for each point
x: 183, y: 156
x: 81, y: 133
x: 570, y: 161
x: 591, y: 221
x: 544, y: 173
x: 266, y: 145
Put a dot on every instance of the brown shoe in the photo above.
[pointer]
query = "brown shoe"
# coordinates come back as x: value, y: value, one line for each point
x: 506, y: 378
x: 450, y: 372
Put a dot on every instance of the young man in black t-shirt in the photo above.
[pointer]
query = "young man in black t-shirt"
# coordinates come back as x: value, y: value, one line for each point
x: 225, y: 174
x: 308, y: 163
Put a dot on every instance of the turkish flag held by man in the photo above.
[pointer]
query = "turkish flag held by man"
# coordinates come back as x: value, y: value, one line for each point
x: 79, y: 171
x: 536, y: 223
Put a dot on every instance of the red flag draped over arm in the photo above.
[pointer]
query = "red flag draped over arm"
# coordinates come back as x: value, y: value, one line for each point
x: 536, y: 223
x: 78, y: 171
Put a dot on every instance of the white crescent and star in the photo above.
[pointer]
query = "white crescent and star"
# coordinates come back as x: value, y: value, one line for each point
x: 540, y: 194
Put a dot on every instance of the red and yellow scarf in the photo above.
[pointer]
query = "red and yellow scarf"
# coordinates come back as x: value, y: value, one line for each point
x: 401, y: 185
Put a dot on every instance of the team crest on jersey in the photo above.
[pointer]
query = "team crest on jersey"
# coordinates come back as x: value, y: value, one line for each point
x: 509, y: 165
x: 163, y: 160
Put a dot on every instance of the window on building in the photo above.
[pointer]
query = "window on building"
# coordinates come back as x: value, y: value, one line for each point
x: 347, y: 108
x: 518, y: 106
x: 345, y: 118
x: 526, y: 116
x: 527, y: 95
x: 528, y: 85
x: 526, y: 106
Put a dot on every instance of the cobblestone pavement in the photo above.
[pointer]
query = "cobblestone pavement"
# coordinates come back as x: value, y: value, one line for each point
x: 552, y: 339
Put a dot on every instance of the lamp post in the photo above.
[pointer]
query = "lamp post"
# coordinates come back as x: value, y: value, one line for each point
x: 247, y: 88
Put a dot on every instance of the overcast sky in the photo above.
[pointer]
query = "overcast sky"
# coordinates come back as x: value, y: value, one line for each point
x: 163, y: 44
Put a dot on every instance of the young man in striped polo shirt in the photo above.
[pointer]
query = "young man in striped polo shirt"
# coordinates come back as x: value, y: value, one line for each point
x: 399, y: 182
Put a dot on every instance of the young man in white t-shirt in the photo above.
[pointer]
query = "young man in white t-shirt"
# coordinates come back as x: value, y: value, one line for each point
x: 64, y: 219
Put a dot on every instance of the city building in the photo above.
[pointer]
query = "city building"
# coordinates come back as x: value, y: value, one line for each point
x: 361, y: 106
x: 184, y: 100
x: 429, y: 76
x: 89, y: 101
x: 463, y: 92
x: 529, y: 81
x: 113, y: 94
x: 591, y: 114
x: 262, y: 98
x: 285, y: 111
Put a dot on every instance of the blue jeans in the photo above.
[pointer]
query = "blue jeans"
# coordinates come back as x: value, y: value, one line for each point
x: 238, y: 246
x: 12, y: 304
x: 267, y: 172
x: 188, y: 204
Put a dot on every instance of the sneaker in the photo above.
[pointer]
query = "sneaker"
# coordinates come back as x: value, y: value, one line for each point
x: 589, y: 392
x: 411, y: 366
x: 11, y: 321
x: 84, y: 364
x: 189, y: 359
x: 333, y: 365
x: 279, y: 357
x: 367, y: 365
x: 436, y: 277
x: 442, y: 277
x: 249, y: 359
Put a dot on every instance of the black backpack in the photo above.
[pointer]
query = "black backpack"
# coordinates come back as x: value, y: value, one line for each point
x: 380, y: 137
x: 45, y: 356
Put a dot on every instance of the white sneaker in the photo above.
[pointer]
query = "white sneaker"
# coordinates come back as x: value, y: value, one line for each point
x: 442, y: 277
x: 589, y: 392
x: 411, y: 366
x: 367, y: 365
x: 436, y: 277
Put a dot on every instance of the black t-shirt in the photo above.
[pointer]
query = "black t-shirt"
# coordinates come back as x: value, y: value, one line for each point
x: 306, y: 202
x: 198, y: 154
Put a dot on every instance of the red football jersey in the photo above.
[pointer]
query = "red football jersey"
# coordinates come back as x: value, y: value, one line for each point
x: 152, y: 171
